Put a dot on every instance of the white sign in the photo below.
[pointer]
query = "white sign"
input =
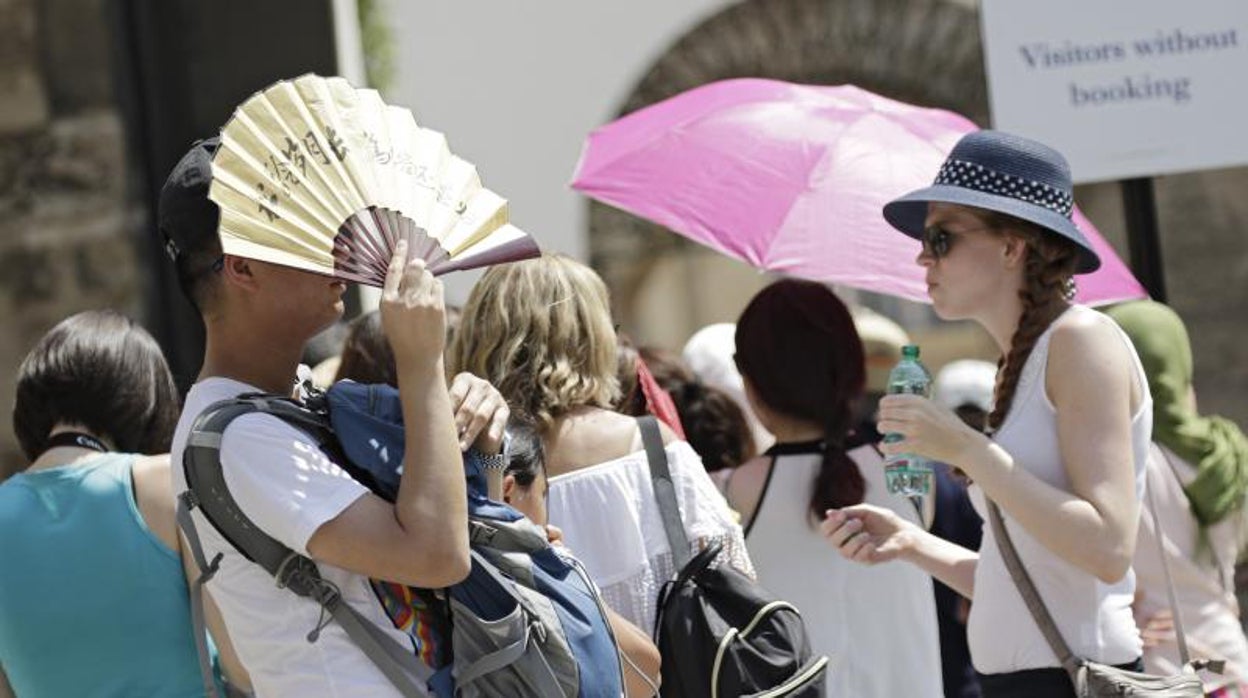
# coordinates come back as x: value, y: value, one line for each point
x: 1123, y: 88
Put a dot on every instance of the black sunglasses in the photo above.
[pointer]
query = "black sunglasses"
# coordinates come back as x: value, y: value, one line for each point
x: 936, y: 241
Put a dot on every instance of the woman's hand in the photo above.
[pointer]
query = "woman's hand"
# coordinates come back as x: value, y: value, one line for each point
x: 1157, y: 629
x: 554, y: 535
x: 867, y: 534
x: 929, y: 430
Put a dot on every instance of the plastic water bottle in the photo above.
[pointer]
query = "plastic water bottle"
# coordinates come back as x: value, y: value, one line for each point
x: 906, y: 473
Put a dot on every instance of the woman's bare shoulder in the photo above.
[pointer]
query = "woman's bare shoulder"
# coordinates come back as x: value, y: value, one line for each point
x: 669, y: 435
x: 1083, y: 325
x: 1086, y: 337
x: 745, y: 486
x: 1088, y: 353
x: 155, y: 472
x: 582, y: 440
x: 153, y: 492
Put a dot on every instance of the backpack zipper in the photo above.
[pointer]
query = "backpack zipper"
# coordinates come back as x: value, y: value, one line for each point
x: 733, y: 634
x: 797, y: 681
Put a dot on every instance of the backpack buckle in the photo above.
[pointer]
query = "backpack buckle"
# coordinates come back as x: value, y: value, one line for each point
x: 299, y: 574
x: 189, y: 496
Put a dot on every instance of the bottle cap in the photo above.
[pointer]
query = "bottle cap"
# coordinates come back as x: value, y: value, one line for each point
x: 910, y: 351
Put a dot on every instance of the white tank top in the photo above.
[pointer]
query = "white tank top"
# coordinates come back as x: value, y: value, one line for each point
x: 1093, y: 617
x: 876, y: 624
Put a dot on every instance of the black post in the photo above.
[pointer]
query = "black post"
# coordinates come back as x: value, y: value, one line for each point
x: 182, y: 66
x: 1143, y: 235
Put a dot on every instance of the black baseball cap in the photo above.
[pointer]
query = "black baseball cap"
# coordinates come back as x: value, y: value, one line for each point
x: 186, y: 217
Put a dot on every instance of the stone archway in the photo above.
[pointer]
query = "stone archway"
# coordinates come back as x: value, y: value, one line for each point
x: 920, y: 51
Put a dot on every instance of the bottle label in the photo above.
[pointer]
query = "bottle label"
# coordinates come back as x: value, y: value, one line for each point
x: 908, y: 388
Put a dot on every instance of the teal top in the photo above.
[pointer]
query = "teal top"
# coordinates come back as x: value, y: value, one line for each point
x: 92, y: 603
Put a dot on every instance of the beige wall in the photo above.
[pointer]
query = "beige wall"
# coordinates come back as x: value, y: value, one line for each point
x: 517, y: 86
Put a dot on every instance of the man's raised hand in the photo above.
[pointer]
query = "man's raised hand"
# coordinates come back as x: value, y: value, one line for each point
x: 413, y: 313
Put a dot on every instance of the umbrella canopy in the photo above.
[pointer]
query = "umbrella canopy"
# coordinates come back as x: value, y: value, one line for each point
x: 792, y: 179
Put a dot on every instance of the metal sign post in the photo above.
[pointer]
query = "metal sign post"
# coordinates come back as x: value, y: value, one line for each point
x: 1143, y: 235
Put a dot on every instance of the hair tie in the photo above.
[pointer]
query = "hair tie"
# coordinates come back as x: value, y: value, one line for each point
x: 1069, y: 288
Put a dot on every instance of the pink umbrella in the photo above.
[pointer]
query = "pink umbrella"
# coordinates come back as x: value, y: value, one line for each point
x: 792, y: 178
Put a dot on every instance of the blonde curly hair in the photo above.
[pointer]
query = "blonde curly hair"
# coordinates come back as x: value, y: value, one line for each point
x: 541, y: 332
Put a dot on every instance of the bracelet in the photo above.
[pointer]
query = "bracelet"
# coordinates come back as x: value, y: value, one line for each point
x: 495, y: 461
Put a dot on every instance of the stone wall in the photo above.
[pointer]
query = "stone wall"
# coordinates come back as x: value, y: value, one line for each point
x: 67, y: 221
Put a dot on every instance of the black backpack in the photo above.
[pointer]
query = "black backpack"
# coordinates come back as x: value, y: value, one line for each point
x: 719, y: 633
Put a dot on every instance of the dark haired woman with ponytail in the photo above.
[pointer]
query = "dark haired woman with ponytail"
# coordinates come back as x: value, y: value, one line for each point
x: 1071, y: 424
x: 803, y: 367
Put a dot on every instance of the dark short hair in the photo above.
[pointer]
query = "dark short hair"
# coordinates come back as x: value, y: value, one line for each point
x: 526, y: 457
x: 366, y: 353
x: 632, y: 401
x: 326, y: 344
x: 101, y: 371
x: 715, y: 425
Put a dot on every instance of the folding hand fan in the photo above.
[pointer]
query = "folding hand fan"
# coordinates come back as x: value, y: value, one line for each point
x: 314, y: 174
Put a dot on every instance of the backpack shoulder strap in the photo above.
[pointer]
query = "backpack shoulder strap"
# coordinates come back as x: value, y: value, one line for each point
x: 207, y: 490
x: 664, y: 489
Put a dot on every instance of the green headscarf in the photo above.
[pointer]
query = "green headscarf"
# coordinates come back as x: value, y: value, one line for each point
x: 1213, y: 445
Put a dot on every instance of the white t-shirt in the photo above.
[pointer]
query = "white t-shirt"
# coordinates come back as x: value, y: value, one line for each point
x: 288, y: 488
x: 876, y: 624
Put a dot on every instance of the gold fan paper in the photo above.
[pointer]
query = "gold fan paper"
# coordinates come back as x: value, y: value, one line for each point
x: 315, y: 174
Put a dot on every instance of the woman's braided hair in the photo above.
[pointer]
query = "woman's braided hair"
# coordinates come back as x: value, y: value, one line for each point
x: 1048, y: 285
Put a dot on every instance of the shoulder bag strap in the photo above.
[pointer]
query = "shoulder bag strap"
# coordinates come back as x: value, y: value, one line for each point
x: 1041, y: 614
x: 664, y: 489
x: 1030, y: 596
x: 407, y: 672
x: 1227, y: 585
x: 1165, y: 568
x: 206, y: 572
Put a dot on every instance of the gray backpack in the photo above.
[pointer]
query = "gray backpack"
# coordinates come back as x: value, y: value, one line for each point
x: 526, y: 622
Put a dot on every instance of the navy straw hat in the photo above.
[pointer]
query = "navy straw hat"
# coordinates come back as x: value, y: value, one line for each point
x: 1005, y: 173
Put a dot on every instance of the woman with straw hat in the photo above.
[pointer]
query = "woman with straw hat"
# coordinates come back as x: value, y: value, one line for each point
x: 1070, y: 426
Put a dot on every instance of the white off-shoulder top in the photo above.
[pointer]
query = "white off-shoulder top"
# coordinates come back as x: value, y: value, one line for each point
x: 610, y: 520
